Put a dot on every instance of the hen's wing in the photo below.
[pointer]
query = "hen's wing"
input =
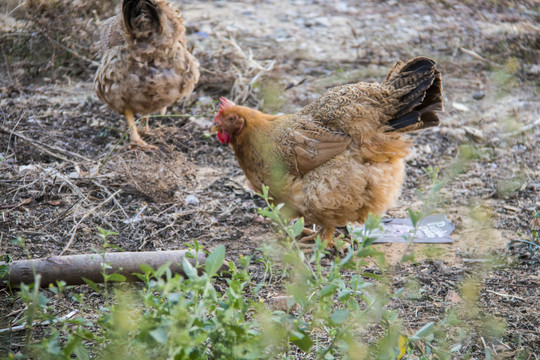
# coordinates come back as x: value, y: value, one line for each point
x: 111, y: 33
x: 408, y: 100
x: 306, y: 144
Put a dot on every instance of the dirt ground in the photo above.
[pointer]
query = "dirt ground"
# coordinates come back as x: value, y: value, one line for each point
x: 65, y: 170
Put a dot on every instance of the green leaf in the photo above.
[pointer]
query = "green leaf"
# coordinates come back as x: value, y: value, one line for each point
x: 92, y: 284
x: 160, y: 335
x: 302, y: 340
x: 344, y: 295
x: 215, y: 261
x: 424, y: 332
x: 339, y: 316
x: 79, y: 321
x: 146, y: 269
x: 329, y: 289
x: 116, y: 277
x: 52, y: 345
x: 372, y: 222
x: 347, y: 258
x: 408, y: 258
x: 415, y: 216
x: 189, y: 270
x: 81, y: 352
x: 76, y: 346
x: 368, y: 241
x: 298, y: 227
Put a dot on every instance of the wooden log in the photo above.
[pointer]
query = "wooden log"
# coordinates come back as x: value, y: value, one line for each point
x: 73, y: 268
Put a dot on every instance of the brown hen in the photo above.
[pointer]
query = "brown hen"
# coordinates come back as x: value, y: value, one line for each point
x: 146, y: 65
x: 342, y: 156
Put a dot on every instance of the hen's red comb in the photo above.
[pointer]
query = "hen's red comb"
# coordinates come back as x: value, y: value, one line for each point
x: 225, y: 103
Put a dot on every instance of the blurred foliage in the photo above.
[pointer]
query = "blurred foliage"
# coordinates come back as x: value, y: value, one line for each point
x: 331, y: 309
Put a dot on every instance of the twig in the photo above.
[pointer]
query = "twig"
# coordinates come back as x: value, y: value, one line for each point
x: 14, y: 206
x: 477, y: 260
x: 506, y: 295
x: 44, y: 147
x: 16, y: 7
x: 523, y: 241
x: 477, y: 56
x: 116, y: 202
x: 523, y: 129
x: 74, y: 229
x: 61, y: 216
x: 72, y: 52
x: 38, y: 323
x: 484, y: 342
x: 38, y: 145
x: 12, y: 130
x: 500, y: 342
x: 7, y: 65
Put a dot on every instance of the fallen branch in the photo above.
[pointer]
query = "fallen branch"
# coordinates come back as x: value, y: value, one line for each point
x: 73, y: 268
x: 38, y: 323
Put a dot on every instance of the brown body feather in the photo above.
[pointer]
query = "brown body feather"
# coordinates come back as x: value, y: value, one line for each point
x: 342, y: 156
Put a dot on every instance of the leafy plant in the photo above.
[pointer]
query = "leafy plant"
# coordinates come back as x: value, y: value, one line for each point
x: 334, y: 309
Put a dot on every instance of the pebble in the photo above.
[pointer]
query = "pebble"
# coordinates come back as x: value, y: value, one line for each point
x: 192, y: 200
x: 478, y: 95
x: 460, y: 107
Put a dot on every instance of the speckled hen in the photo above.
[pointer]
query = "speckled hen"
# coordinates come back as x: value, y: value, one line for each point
x: 146, y: 65
x: 342, y: 156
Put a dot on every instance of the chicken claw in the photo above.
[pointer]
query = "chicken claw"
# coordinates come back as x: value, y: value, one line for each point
x: 142, y: 145
x: 326, y: 233
x: 134, y: 137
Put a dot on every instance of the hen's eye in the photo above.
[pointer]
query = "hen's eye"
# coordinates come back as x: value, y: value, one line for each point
x: 231, y: 119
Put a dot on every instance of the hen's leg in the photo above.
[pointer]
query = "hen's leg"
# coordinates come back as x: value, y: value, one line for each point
x: 326, y: 233
x: 146, y: 120
x: 134, y: 137
x: 146, y: 129
x: 308, y: 232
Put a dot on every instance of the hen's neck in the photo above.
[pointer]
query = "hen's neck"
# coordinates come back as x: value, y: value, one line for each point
x: 256, y: 125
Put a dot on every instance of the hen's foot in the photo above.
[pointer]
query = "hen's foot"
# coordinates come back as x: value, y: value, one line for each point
x: 308, y: 232
x: 326, y: 234
x: 140, y: 144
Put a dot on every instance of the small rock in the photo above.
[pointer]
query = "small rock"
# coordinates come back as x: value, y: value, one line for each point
x: 260, y: 219
x: 30, y: 167
x: 453, y: 297
x: 478, y: 95
x: 192, y: 200
x: 474, y: 133
x: 460, y: 107
x: 279, y: 302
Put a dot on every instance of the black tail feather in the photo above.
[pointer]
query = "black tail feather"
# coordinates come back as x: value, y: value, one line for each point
x: 137, y: 12
x: 418, y: 88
